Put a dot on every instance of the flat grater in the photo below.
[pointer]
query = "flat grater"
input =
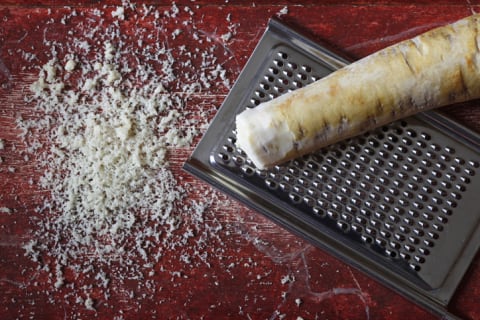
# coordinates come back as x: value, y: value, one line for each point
x: 398, y: 202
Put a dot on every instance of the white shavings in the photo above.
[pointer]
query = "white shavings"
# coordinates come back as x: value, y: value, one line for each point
x: 6, y: 210
x: 119, y: 13
x: 283, y: 11
x: 2, y: 144
x: 89, y: 304
x: 109, y: 116
x: 175, y: 33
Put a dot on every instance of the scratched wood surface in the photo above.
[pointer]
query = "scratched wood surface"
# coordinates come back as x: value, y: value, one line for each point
x: 253, y: 269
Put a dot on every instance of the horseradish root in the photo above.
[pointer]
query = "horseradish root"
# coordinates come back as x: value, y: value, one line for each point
x: 434, y: 69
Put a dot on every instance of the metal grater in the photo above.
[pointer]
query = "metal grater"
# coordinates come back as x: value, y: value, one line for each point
x: 398, y: 202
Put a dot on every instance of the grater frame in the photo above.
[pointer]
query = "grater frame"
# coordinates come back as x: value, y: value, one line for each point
x: 396, y: 229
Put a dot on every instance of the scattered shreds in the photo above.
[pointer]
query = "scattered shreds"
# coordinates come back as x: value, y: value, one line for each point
x: 107, y: 120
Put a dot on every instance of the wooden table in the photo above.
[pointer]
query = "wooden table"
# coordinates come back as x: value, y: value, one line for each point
x: 239, y: 264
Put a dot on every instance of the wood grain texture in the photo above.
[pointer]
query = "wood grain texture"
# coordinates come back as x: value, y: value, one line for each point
x: 250, y: 268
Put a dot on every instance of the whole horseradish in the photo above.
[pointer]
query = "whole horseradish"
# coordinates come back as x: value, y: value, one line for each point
x: 437, y: 68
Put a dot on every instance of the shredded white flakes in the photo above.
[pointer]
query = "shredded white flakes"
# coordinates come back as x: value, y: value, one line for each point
x: 108, y: 119
x: 283, y: 11
x: 70, y: 65
x: 119, y: 13
x: 298, y: 302
x: 6, y: 210
x: 2, y: 144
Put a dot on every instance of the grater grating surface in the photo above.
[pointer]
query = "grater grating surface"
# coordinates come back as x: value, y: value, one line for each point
x: 398, y: 202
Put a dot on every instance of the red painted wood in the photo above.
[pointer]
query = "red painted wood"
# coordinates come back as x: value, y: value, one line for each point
x: 248, y: 258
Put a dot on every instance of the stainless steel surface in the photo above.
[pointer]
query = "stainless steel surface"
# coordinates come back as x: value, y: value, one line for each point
x: 399, y: 202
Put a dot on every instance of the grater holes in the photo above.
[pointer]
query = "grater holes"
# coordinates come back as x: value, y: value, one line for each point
x: 282, y: 55
x: 429, y: 243
x: 425, y: 136
x: 344, y: 215
x: 344, y: 226
x: 369, y: 185
x: 269, y: 78
x: 381, y: 242
x: 278, y: 63
x: 435, y: 147
x: 239, y: 160
x: 415, y: 267
x: 392, y: 138
x: 271, y: 184
x: 247, y: 170
x: 465, y: 180
x: 391, y: 253
x: 265, y: 86
x: 302, y: 76
x: 260, y: 94
x: 407, y: 141
x: 367, y: 239
x: 404, y: 255
x: 357, y: 228
x: 411, y: 133
x: 228, y: 148
x: 417, y: 152
x: 284, y: 186
x: 419, y: 259
x: 292, y: 65
x: 332, y: 214
x: 298, y: 189
x: 224, y: 157
x: 322, y: 203
x: 283, y: 81
x: 306, y: 68
x: 295, y: 198
x: 424, y: 251
x: 469, y: 172
x: 394, y: 245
